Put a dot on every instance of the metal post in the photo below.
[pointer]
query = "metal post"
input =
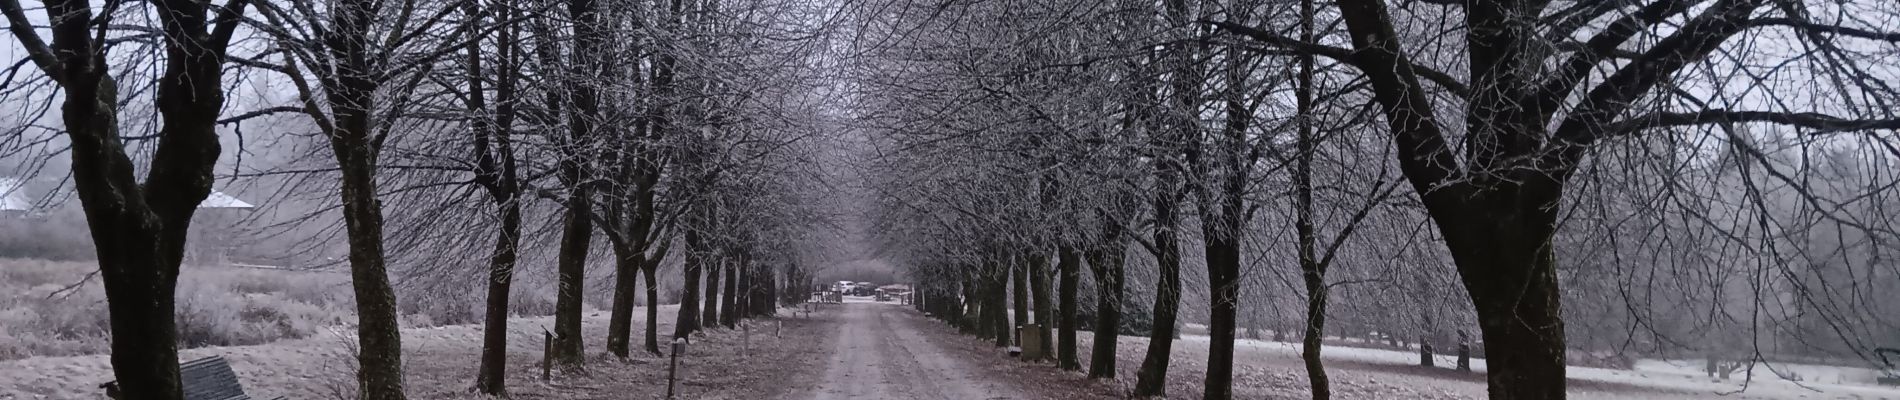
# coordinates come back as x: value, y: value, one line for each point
x: 547, y: 354
x: 673, y: 365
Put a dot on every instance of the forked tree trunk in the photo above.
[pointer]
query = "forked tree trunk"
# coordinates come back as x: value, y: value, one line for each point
x: 578, y: 230
x: 138, y: 255
x: 1175, y: 128
x: 1069, y: 273
x: 138, y: 252
x: 496, y: 173
x: 138, y: 233
x: 1223, y: 224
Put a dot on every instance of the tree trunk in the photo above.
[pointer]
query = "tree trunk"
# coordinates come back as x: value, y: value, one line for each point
x: 1313, y: 273
x: 974, y: 294
x: 696, y: 251
x: 380, y: 355
x: 739, y: 279
x: 578, y: 230
x: 1503, y: 254
x: 1310, y: 344
x: 138, y: 233
x: 761, y: 302
x: 1069, y: 270
x: 627, y: 265
x: 138, y: 253
x: 491, y: 377
x: 1106, y: 262
x: 975, y: 297
x: 1019, y: 288
x: 995, y: 302
x: 576, y: 235
x: 1175, y: 127
x: 1038, y: 271
x: 713, y: 290
x: 496, y: 172
x: 1152, y: 379
x: 1223, y: 270
x: 738, y: 292
x: 652, y: 272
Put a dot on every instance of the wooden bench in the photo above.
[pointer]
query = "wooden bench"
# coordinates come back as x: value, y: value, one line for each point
x: 208, y: 378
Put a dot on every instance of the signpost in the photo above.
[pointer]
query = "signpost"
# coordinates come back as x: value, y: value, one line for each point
x: 673, y: 365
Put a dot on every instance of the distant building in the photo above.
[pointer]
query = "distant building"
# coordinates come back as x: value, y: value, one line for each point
x: 212, y: 229
x: 13, y: 200
x: 219, y: 200
x: 214, y: 239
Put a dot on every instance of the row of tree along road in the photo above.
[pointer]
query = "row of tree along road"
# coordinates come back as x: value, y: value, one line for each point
x: 1576, y: 182
x: 443, y: 128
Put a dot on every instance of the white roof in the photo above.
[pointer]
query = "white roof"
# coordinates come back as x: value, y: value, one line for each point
x: 221, y: 200
x: 11, y: 197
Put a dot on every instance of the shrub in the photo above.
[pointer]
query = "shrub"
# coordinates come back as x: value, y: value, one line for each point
x: 530, y: 304
x: 1136, y: 320
x: 428, y: 308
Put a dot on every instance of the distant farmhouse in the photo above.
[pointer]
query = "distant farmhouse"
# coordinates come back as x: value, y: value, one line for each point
x: 212, y: 235
x: 13, y: 201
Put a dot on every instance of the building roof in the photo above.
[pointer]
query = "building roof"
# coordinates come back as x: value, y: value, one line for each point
x: 221, y: 200
x: 13, y: 197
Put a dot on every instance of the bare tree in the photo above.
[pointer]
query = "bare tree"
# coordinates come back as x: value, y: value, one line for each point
x: 138, y: 229
x: 1536, y: 101
x: 343, y: 63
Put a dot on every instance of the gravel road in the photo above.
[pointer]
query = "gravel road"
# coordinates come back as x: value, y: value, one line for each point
x: 879, y: 353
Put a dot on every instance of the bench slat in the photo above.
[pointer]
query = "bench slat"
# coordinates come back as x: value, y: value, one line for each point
x: 210, y: 378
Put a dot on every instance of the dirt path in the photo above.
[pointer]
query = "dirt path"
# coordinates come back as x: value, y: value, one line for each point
x: 879, y: 353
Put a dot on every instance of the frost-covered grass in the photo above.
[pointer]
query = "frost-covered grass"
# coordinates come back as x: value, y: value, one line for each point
x: 1668, y: 379
x: 54, y: 308
x: 440, y: 362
